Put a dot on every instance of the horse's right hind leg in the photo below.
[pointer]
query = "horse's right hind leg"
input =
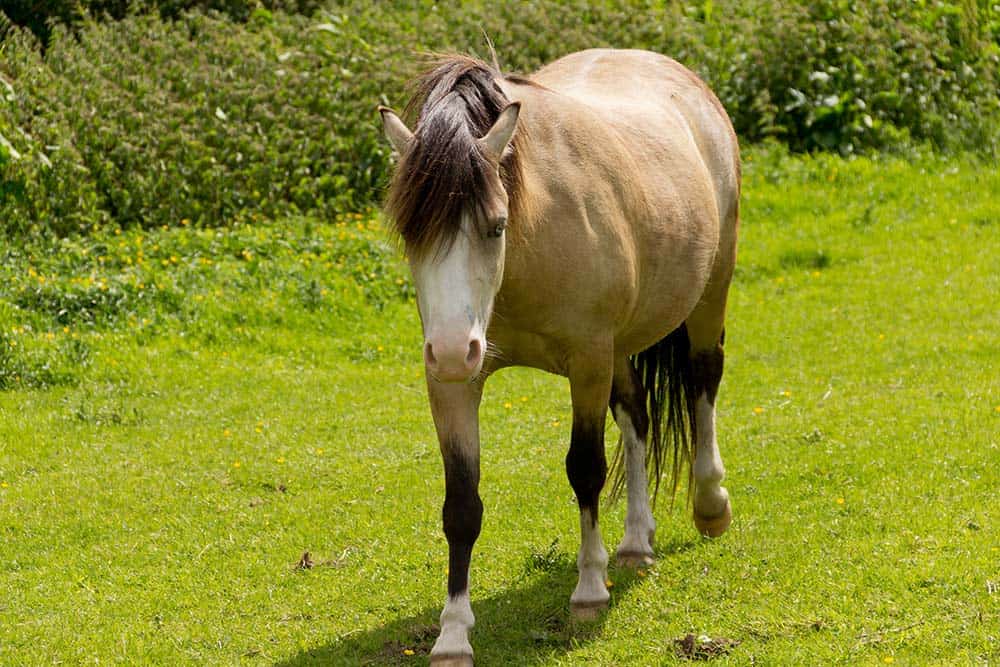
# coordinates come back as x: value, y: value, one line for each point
x: 628, y: 405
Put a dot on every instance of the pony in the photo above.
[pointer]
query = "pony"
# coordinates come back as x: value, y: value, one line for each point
x: 581, y: 221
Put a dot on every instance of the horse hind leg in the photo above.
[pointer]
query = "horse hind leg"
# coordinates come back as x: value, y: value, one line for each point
x: 628, y: 405
x: 712, y: 510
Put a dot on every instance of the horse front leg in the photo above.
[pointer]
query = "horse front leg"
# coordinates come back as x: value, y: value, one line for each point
x: 456, y: 416
x: 586, y: 467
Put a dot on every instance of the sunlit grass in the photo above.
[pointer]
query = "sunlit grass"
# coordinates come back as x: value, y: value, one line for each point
x: 167, y: 455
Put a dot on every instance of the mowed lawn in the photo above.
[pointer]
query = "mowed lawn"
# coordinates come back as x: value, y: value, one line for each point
x: 163, y: 470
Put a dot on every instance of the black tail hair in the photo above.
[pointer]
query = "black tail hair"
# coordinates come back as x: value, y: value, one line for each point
x: 665, y: 371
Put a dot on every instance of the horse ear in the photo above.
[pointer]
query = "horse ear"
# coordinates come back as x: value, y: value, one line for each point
x: 496, y: 140
x: 395, y: 130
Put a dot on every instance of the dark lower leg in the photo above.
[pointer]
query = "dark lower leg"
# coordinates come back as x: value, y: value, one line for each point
x: 586, y: 468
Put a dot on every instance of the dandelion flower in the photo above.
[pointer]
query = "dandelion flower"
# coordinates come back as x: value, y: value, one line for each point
x: 236, y: 464
x: 758, y: 410
x: 840, y: 501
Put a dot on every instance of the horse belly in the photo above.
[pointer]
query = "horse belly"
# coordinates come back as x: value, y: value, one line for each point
x: 674, y: 261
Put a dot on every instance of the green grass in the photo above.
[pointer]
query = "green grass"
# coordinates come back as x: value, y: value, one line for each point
x: 168, y: 452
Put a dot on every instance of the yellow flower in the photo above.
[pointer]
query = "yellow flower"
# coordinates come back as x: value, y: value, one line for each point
x: 508, y: 405
x: 319, y: 451
x: 407, y: 651
x: 840, y: 501
x: 226, y: 433
x: 236, y: 464
x: 786, y: 393
x: 280, y: 459
x: 888, y: 660
x: 757, y: 410
x: 3, y: 485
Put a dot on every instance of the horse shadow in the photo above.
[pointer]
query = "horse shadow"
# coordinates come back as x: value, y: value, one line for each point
x: 525, y: 624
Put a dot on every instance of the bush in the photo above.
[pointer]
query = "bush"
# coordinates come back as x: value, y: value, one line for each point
x: 39, y: 15
x: 156, y: 122
x: 150, y: 122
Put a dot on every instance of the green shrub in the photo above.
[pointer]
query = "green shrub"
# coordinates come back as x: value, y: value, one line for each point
x: 156, y: 122
x: 150, y: 122
x: 39, y: 15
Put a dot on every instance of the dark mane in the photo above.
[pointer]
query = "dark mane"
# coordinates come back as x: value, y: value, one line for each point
x: 443, y: 173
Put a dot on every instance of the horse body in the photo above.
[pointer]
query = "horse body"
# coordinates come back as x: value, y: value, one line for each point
x: 620, y: 173
x: 620, y: 160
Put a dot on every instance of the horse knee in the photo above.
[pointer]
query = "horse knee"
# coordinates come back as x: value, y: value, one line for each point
x: 586, y: 465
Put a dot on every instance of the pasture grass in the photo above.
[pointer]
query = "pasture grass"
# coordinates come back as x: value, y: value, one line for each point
x: 176, y: 432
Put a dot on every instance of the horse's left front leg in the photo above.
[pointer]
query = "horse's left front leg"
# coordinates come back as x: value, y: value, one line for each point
x: 586, y: 467
x: 456, y: 416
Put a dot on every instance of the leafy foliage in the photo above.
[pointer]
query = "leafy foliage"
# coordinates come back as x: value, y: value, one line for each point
x: 148, y: 122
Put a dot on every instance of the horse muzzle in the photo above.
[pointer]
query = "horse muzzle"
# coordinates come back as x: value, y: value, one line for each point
x: 454, y: 358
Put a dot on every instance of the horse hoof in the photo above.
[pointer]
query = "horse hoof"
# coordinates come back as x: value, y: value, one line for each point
x: 587, y: 611
x: 451, y: 660
x: 716, y: 525
x: 633, y: 559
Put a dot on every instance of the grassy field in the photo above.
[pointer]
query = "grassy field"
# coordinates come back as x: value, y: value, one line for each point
x: 185, y: 412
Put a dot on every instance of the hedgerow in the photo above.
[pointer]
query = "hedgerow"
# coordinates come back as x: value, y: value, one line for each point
x: 211, y: 117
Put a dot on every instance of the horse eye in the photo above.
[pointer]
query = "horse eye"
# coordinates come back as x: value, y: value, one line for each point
x: 498, y: 229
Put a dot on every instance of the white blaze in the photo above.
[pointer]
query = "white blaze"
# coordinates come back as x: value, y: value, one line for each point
x: 455, y: 291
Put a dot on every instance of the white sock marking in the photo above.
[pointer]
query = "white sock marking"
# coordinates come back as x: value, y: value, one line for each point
x: 592, y: 563
x: 709, y: 497
x: 639, y: 523
x: 456, y: 620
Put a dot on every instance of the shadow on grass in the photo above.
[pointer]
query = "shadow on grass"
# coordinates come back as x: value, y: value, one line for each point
x: 524, y: 624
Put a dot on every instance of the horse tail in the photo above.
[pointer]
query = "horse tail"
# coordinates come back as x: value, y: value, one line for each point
x: 666, y: 374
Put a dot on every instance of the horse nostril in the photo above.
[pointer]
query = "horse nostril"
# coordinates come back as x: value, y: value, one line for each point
x: 475, y: 351
x: 429, y: 355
